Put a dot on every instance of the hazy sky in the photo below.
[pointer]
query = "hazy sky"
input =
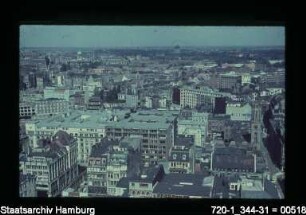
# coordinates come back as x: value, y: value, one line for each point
x: 137, y: 36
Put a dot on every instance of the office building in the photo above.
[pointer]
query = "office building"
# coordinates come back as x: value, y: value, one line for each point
x: 50, y: 107
x: 239, y: 111
x: 54, y: 163
x: 190, y: 97
x: 230, y: 82
x: 88, y: 127
x: 27, y: 185
x: 156, y: 129
x: 97, y: 167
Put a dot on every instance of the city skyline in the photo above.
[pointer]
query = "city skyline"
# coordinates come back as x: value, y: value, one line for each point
x: 147, y: 119
x: 51, y: 36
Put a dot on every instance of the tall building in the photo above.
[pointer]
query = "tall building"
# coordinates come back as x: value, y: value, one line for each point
x: 192, y: 98
x: 156, y: 129
x: 109, y: 162
x: 116, y: 169
x: 256, y: 127
x: 230, y: 81
x: 97, y: 168
x: 54, y: 162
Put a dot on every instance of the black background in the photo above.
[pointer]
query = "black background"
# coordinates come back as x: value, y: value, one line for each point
x: 150, y: 13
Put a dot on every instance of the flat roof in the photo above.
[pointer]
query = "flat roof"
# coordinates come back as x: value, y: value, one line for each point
x: 233, y: 158
x: 94, y: 119
x: 183, y: 184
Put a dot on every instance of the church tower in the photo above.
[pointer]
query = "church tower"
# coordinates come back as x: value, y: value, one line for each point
x: 256, y: 126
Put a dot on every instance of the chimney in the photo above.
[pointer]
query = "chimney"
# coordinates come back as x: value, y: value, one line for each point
x: 143, y: 176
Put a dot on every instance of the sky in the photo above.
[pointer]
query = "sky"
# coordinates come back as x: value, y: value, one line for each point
x: 149, y: 36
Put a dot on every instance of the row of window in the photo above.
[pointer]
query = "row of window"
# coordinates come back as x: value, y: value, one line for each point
x: 139, y: 193
x: 144, y: 132
x: 97, y: 162
x: 35, y: 167
x: 87, y: 135
x: 153, y: 152
x: 27, y: 110
x: 179, y: 164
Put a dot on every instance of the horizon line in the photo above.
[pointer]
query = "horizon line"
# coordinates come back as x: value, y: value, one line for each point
x: 206, y: 46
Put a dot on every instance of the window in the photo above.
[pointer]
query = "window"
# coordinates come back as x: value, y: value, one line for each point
x: 143, y: 185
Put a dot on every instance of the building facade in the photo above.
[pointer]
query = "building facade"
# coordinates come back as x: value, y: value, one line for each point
x: 156, y: 129
x: 26, y: 110
x: 181, y: 160
x: 230, y: 81
x: 27, y: 185
x: 194, y: 97
x: 54, y: 163
x: 239, y: 112
x: 56, y: 92
x: 50, y: 107
x: 87, y: 127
